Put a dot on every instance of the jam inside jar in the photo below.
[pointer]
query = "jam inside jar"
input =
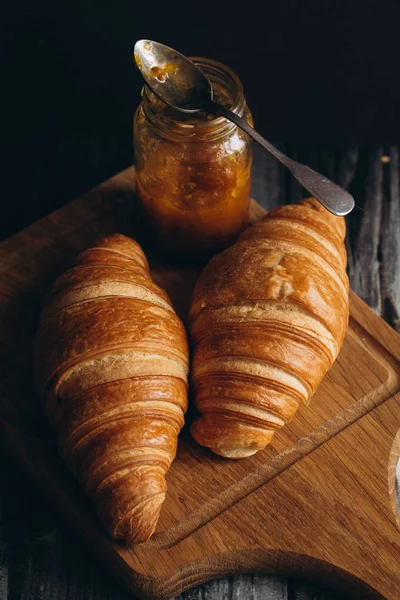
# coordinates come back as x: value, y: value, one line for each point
x: 193, y: 171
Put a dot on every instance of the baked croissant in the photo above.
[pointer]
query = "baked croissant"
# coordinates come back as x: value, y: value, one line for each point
x: 111, y: 362
x: 267, y: 320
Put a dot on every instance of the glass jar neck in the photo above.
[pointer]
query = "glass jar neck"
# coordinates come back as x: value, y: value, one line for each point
x: 179, y: 126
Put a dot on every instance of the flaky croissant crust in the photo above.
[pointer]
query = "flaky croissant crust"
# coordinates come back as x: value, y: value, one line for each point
x: 267, y: 320
x: 111, y: 363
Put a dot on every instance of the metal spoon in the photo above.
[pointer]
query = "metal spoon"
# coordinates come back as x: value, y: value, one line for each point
x: 177, y: 81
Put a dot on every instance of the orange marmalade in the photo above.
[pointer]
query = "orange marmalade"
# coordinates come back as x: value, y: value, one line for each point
x: 193, y: 171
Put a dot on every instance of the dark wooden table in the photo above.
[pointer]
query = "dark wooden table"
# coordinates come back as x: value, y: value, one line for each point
x: 39, y: 557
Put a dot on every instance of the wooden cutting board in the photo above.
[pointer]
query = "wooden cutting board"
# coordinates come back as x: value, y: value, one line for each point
x: 318, y: 502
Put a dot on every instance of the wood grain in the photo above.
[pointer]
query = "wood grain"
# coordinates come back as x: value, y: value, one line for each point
x: 304, y: 506
x: 390, y: 240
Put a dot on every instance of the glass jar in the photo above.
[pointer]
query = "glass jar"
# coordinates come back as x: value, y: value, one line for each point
x: 193, y: 171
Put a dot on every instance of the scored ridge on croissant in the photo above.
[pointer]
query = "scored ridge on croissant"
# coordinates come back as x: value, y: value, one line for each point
x: 111, y: 363
x: 267, y: 320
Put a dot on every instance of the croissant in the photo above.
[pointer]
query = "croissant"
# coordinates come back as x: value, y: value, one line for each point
x: 111, y: 363
x: 267, y: 320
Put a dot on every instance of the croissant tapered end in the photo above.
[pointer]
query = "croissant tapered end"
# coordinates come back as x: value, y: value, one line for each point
x: 138, y: 527
x: 227, y: 437
x: 267, y: 320
x: 111, y: 364
x: 132, y: 517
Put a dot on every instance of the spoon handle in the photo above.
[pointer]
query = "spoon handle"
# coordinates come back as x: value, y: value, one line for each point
x: 329, y: 194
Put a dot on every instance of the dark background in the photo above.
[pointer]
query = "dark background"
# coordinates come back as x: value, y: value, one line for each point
x: 315, y: 72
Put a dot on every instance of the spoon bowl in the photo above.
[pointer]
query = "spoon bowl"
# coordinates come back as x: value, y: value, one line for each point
x: 172, y: 77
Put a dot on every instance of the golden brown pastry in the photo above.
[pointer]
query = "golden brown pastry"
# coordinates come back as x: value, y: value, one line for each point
x: 268, y: 318
x: 111, y: 364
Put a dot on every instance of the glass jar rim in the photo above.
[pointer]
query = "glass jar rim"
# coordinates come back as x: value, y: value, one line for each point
x: 172, y: 127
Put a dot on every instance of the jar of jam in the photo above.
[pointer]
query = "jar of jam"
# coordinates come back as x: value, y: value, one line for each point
x: 193, y: 171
